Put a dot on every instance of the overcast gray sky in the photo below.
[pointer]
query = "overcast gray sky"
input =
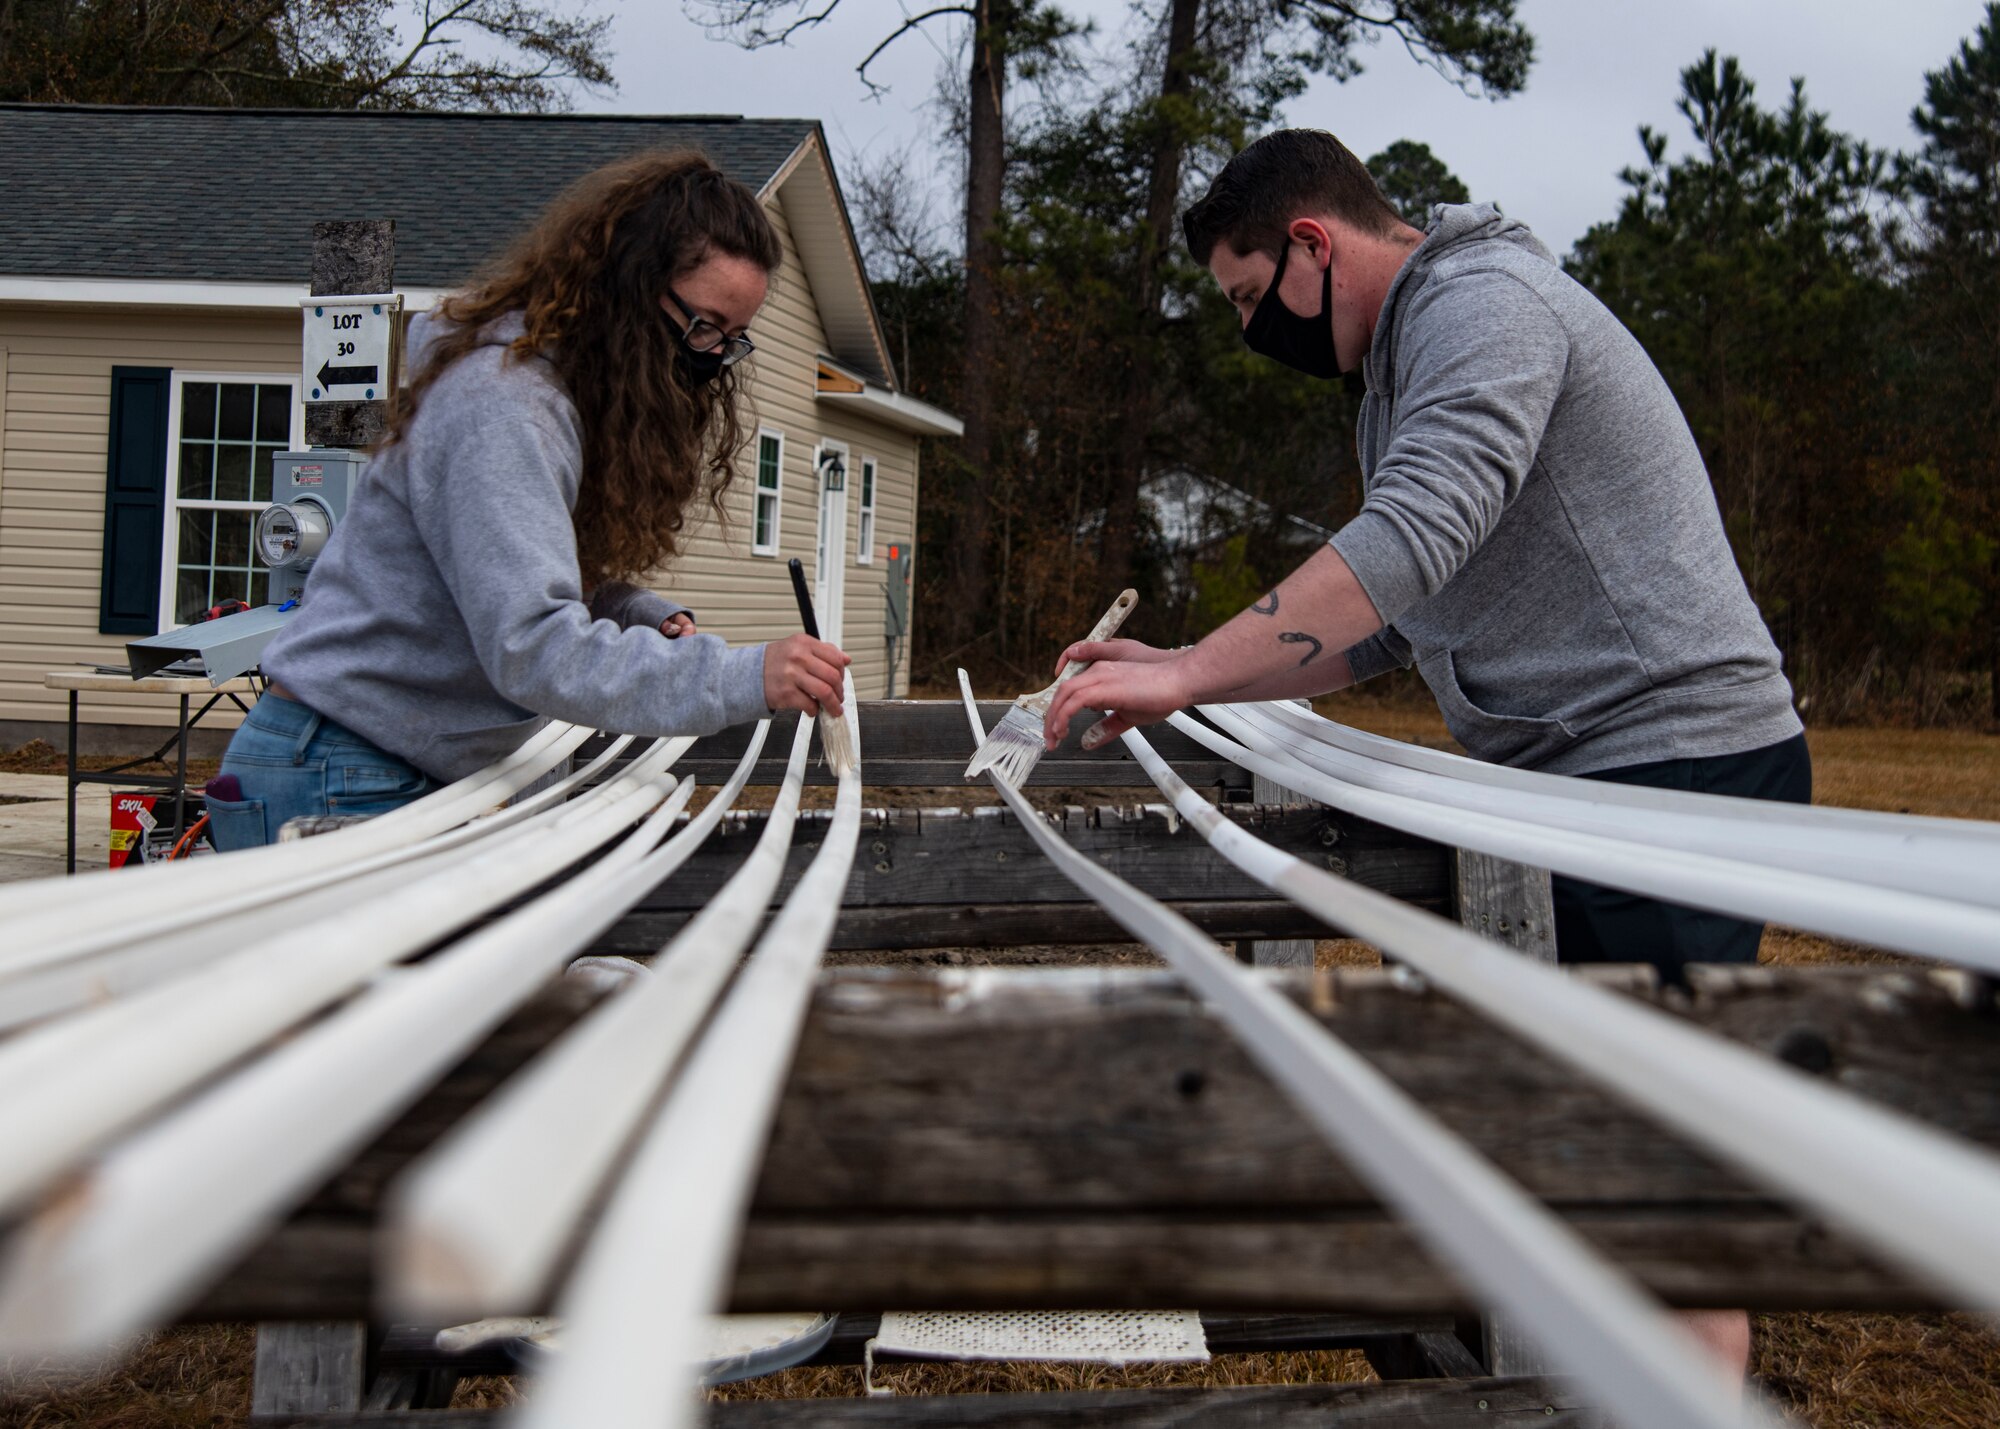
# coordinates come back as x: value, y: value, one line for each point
x: 1550, y: 155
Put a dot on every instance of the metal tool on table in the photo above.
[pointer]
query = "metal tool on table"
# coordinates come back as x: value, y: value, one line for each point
x: 833, y: 740
x: 1014, y: 745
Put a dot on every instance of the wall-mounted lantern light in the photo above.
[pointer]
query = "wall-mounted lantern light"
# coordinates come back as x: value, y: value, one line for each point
x: 832, y: 471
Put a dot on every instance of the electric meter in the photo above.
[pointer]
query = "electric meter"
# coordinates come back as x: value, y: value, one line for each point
x: 292, y: 533
x: 310, y: 491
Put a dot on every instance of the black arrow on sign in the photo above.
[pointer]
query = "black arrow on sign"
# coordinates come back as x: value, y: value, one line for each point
x: 331, y: 376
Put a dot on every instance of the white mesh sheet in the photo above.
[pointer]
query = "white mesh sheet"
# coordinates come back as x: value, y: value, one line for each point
x: 1101, y: 1336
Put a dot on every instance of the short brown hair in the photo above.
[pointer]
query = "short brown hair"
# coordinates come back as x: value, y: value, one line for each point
x: 1279, y: 178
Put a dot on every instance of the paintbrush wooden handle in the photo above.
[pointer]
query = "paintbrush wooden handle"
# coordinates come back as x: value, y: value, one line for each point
x: 1104, y: 629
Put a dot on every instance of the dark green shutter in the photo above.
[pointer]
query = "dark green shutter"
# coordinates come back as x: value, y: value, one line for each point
x: 135, y: 492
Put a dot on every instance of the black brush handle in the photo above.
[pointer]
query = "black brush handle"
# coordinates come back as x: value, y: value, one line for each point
x: 806, y: 616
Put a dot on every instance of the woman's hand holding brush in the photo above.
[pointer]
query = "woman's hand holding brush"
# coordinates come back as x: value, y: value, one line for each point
x: 804, y: 674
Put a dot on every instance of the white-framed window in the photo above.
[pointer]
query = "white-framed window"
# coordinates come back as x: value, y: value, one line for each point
x: 864, y: 540
x: 223, y: 428
x: 768, y: 495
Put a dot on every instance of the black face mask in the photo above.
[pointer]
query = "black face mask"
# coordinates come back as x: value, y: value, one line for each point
x: 1281, y: 334
x: 700, y: 367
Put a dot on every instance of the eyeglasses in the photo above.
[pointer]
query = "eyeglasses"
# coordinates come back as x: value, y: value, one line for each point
x: 704, y: 336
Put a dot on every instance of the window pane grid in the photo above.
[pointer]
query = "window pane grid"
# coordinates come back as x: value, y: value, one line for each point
x: 229, y: 434
x: 770, y: 477
x: 864, y: 545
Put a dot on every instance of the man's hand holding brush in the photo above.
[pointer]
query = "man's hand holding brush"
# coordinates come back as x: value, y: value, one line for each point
x: 1292, y: 642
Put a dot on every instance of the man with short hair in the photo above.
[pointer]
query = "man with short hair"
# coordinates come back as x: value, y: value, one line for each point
x: 1537, y: 535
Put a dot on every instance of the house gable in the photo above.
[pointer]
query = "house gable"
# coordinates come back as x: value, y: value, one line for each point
x: 827, y: 249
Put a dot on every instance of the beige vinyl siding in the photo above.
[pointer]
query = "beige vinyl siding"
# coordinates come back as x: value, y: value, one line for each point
x: 55, y: 405
x: 3, y: 423
x: 745, y: 597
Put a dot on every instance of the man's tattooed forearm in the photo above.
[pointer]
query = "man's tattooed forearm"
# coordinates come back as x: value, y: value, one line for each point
x: 1267, y: 606
x: 1299, y: 637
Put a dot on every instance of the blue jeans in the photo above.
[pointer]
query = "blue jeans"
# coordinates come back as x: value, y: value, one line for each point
x: 293, y: 762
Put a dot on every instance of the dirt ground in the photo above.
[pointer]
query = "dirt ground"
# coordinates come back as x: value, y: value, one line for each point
x: 1834, y: 1371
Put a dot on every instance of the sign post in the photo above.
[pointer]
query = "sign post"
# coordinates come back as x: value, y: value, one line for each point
x: 352, y: 332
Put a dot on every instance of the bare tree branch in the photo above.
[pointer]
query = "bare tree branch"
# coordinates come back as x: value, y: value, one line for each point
x: 913, y: 22
x: 747, y: 17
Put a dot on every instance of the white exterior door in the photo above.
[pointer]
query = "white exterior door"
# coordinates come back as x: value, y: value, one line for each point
x: 830, y: 567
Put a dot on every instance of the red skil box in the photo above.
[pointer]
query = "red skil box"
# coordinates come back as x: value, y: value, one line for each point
x: 143, y: 825
x: 133, y: 819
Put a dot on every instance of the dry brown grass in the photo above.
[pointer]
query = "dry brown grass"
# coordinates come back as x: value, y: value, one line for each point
x: 1880, y: 1371
x: 181, y: 1379
x: 913, y: 1377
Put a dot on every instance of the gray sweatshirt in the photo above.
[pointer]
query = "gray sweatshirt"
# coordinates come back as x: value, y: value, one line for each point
x: 1538, y: 531
x: 446, y: 620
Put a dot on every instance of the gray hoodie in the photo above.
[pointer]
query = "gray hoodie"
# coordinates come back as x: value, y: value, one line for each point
x: 446, y: 620
x: 1538, y: 531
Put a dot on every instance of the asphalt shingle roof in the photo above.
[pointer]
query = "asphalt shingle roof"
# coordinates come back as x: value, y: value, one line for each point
x: 231, y: 195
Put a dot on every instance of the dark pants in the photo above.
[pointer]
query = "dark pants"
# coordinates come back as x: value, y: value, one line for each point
x: 1604, y: 925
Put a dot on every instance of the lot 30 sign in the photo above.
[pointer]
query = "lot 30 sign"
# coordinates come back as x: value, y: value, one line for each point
x: 347, y: 346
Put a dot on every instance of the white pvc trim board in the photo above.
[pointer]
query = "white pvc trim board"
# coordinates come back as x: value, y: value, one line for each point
x: 177, y: 1203
x: 1592, y: 1319
x: 73, y: 1083
x: 1958, y: 864
x: 479, y: 1224
x: 1920, y: 1197
x: 1888, y: 918
x: 660, y: 1256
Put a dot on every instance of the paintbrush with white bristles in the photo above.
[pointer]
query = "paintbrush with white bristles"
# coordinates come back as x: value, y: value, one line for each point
x: 1014, y: 746
x: 834, y: 742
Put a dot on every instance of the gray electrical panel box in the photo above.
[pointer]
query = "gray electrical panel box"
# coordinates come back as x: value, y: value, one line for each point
x: 309, y: 495
x: 902, y: 562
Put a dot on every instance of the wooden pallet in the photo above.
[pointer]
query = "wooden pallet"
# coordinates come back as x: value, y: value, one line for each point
x: 1092, y: 1138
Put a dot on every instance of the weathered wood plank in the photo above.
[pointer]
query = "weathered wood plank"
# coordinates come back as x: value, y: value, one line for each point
x: 1432, y: 1354
x: 1514, y: 905
x: 994, y: 925
x: 412, y: 1387
x: 911, y: 858
x: 1280, y: 952
x: 1362, y: 1262
x: 923, y: 744
x: 1508, y: 902
x: 1088, y: 1137
x: 1063, y: 1089
x: 1762, y: 1259
x: 1436, y: 1404
x: 309, y: 1367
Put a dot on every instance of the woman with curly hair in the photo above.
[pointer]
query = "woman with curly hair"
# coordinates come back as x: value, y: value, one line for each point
x: 568, y: 411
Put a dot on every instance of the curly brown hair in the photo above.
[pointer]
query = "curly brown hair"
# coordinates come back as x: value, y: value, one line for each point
x: 587, y: 280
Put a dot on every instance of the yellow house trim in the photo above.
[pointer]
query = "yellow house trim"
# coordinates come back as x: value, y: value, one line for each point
x: 830, y: 380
